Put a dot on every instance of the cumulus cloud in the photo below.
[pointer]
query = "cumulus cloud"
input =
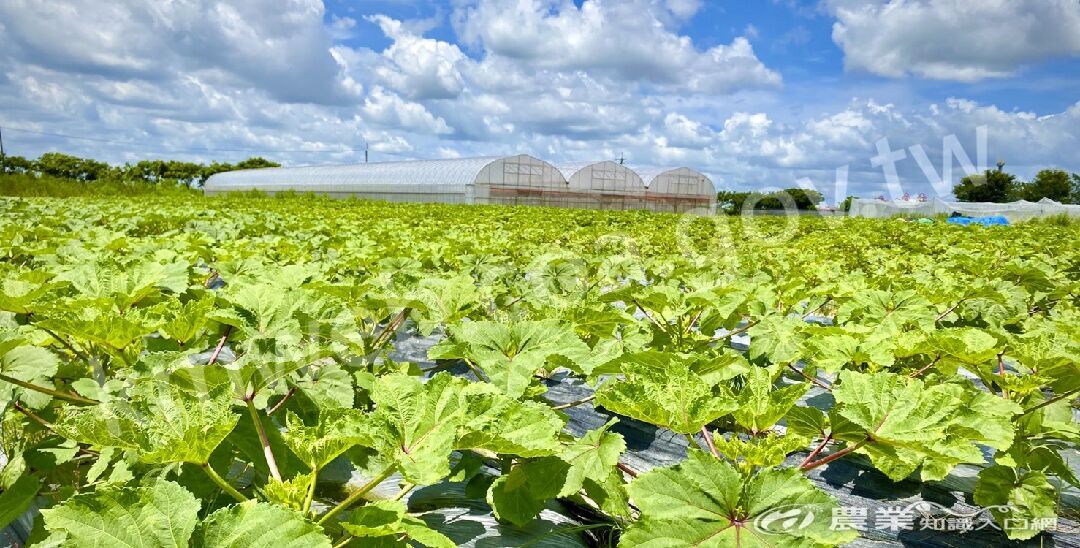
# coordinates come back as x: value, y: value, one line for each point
x: 389, y: 110
x: 283, y: 51
x: 630, y: 40
x: 421, y: 68
x: 962, y: 40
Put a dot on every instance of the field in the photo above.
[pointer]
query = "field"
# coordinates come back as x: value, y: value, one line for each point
x: 229, y: 372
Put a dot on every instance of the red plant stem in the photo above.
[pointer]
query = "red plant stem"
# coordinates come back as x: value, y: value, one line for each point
x: 629, y: 471
x: 281, y: 403
x: 709, y: 441
x: 816, y: 451
x: 809, y: 378
x: 924, y: 369
x: 834, y: 456
x: 220, y: 345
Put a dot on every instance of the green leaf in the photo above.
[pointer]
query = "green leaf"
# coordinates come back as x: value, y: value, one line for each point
x: 519, y: 496
x: 159, y: 514
x: 510, y: 354
x: 592, y: 457
x: 777, y: 338
x: 1023, y: 504
x: 508, y: 426
x: 17, y: 498
x: 335, y: 433
x: 760, y: 406
x: 416, y: 424
x: 387, y: 523
x: 704, y: 501
x: 291, y: 493
x: 259, y: 524
x: 665, y: 389
x: 904, y: 424
x: 31, y: 364
x: 161, y: 422
x: 763, y: 450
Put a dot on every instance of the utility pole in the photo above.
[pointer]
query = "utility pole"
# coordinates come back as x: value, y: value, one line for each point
x: 365, y: 152
x: 1, y: 150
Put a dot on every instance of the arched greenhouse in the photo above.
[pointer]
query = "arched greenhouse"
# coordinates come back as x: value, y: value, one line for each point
x: 510, y: 180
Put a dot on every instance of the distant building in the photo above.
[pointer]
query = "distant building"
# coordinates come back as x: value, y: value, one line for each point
x: 512, y: 180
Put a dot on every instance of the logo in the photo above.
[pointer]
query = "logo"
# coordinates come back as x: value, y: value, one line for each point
x: 784, y: 520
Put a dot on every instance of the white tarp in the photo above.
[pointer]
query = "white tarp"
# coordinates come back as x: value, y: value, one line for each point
x: 1013, y: 211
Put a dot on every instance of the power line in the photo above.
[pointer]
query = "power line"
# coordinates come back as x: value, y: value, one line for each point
x: 179, y: 149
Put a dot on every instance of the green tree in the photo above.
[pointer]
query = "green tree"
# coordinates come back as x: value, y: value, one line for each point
x: 1055, y: 184
x: 17, y: 164
x: 71, y: 167
x: 990, y: 186
x: 256, y: 162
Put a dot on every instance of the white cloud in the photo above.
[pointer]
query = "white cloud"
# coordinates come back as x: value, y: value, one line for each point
x: 421, y: 68
x: 385, y: 108
x: 962, y: 40
x: 629, y: 40
x: 283, y: 51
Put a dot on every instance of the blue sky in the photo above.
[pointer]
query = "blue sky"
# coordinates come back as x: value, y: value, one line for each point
x: 769, y: 93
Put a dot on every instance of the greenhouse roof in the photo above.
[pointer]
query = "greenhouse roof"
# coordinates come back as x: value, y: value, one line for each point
x: 455, y: 172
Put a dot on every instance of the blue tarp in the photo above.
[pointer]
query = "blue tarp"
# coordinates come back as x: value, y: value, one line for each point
x: 985, y: 221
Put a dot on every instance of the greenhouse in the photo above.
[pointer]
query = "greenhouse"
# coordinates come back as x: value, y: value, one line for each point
x: 511, y: 180
x: 1013, y: 211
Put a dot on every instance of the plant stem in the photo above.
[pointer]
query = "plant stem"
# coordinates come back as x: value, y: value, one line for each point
x: 826, y: 387
x: 662, y: 328
x: 574, y: 403
x: 224, y: 485
x: 834, y: 456
x: 271, y: 462
x: 950, y: 310
x: 1001, y: 372
x: 742, y: 329
x: 927, y: 367
x: 476, y: 370
x: 709, y: 441
x: 64, y: 342
x: 344, y: 542
x: 1051, y: 401
x: 405, y: 491
x: 281, y: 403
x: 390, y: 328
x: 629, y: 471
x: 311, y: 491
x: 220, y: 345
x: 816, y: 451
x: 32, y: 416
x: 357, y: 495
x: 73, y: 398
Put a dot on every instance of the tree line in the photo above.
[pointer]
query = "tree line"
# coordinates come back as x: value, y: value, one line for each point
x: 152, y: 172
x: 1001, y: 186
x: 735, y: 202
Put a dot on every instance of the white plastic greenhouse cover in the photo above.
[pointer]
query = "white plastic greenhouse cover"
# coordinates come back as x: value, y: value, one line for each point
x: 509, y: 180
x: 1013, y: 211
x: 380, y: 178
x: 605, y: 176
